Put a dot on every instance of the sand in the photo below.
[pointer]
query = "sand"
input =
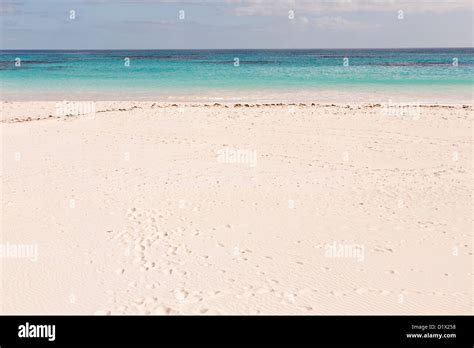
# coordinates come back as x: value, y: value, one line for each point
x: 150, y: 208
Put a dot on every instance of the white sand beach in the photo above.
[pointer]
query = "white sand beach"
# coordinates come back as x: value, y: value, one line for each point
x: 155, y: 208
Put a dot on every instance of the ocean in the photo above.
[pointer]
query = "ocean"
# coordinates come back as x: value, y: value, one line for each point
x: 138, y: 74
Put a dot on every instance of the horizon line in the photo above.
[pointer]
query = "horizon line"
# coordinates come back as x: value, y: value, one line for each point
x: 226, y: 49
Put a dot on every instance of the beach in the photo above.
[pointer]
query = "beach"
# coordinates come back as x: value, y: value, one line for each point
x: 154, y: 207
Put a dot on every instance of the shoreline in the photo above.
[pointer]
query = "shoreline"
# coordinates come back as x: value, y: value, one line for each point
x: 449, y: 95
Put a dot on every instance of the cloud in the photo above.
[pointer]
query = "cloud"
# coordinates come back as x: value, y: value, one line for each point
x: 8, y: 7
x: 194, y: 2
x: 336, y: 23
x: 305, y: 7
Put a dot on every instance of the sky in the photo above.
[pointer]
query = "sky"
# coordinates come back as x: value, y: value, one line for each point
x: 231, y: 24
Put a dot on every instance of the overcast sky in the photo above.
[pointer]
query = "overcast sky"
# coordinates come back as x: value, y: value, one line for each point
x: 156, y: 24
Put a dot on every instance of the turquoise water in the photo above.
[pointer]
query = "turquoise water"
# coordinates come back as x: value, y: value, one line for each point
x: 195, y: 71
